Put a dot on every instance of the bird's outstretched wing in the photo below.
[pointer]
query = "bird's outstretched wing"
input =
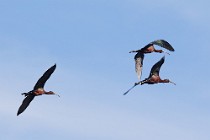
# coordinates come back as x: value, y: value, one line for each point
x: 156, y: 67
x: 40, y: 83
x: 163, y: 44
x: 25, y: 103
x: 139, y: 57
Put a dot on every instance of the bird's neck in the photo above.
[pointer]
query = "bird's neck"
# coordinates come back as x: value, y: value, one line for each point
x: 49, y: 92
x: 164, y: 81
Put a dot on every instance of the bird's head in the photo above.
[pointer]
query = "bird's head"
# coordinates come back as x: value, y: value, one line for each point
x: 52, y: 93
x: 168, y: 81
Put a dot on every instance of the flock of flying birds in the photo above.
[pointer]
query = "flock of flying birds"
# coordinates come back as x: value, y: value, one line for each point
x: 153, y: 78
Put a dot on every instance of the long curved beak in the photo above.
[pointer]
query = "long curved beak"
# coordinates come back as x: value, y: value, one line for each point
x: 57, y: 95
x: 172, y: 82
x: 166, y: 53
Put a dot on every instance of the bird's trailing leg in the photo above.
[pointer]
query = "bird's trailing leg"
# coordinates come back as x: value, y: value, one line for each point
x: 143, y: 81
x: 140, y: 82
x: 129, y: 90
x: 132, y: 87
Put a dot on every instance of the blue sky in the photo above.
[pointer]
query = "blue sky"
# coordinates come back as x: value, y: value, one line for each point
x: 89, y: 41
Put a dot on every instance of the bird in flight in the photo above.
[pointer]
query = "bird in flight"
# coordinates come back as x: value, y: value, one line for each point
x: 154, y: 77
x: 149, y: 48
x: 37, y: 90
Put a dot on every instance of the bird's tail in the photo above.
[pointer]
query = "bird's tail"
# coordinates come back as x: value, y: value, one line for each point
x: 25, y: 94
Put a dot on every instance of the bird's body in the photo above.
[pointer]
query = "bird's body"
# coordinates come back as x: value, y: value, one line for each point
x: 154, y: 80
x: 149, y: 48
x: 38, y: 90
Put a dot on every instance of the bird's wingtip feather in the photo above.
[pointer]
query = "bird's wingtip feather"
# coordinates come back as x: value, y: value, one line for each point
x: 54, y: 65
x: 18, y: 113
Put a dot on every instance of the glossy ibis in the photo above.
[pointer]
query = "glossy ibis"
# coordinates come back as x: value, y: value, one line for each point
x: 154, y: 77
x: 38, y: 90
x: 149, y: 48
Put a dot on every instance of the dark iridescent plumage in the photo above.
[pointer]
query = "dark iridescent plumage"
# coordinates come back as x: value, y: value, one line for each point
x: 42, y: 80
x: 163, y: 43
x: 25, y: 103
x: 155, y: 70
